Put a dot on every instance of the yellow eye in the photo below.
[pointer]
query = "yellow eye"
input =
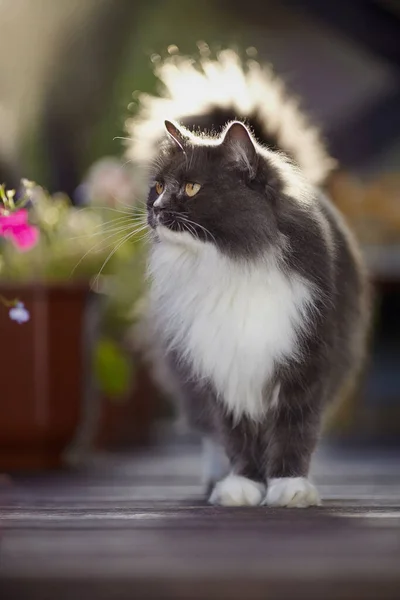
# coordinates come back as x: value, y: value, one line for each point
x: 159, y: 188
x: 191, y: 189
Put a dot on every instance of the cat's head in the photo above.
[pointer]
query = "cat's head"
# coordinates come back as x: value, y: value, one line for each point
x: 224, y: 190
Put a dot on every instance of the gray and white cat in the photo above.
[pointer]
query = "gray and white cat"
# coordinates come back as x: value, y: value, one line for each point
x: 258, y: 297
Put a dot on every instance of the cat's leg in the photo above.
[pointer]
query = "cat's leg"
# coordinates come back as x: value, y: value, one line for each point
x: 215, y: 463
x: 243, y: 486
x: 293, y: 432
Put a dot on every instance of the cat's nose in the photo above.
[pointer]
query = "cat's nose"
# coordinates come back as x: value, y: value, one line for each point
x: 157, y: 208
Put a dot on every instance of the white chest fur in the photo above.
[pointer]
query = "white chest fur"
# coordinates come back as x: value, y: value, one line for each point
x: 231, y: 323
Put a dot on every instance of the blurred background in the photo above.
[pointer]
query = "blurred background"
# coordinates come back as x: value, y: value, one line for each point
x: 68, y: 76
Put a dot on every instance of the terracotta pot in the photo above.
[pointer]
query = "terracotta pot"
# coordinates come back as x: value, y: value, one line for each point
x: 41, y: 375
x: 127, y: 422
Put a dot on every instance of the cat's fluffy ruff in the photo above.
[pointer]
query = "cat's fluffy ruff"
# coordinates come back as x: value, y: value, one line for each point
x: 231, y: 322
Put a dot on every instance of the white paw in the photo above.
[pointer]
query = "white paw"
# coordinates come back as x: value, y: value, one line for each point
x: 235, y: 490
x: 294, y: 492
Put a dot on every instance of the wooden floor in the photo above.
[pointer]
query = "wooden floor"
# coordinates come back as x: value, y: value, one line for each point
x: 138, y: 527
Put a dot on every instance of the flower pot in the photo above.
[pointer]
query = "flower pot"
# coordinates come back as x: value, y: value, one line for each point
x: 127, y: 422
x: 41, y: 371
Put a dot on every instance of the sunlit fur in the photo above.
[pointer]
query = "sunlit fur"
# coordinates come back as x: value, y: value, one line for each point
x: 191, y: 87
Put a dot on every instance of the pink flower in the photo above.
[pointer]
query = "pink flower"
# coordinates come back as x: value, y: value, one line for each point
x: 15, y: 227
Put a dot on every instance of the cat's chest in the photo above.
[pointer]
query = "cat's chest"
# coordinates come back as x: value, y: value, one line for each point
x: 231, y: 324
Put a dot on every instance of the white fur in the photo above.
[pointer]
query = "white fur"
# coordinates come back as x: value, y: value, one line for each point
x: 293, y: 492
x: 236, y: 490
x: 226, y: 82
x: 231, y: 323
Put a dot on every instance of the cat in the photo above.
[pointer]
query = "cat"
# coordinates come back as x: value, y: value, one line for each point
x: 258, y: 295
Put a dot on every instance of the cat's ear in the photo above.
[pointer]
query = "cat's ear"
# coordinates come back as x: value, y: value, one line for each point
x: 238, y: 142
x: 175, y: 135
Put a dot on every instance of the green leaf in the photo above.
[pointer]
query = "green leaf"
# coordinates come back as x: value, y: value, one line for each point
x: 112, y: 369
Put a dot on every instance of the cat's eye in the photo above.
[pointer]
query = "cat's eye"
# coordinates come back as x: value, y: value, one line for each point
x: 159, y: 188
x: 191, y: 189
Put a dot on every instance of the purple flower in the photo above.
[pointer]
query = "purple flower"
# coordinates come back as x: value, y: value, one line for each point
x: 19, y: 313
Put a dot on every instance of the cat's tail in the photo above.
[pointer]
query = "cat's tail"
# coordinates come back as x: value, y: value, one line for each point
x: 208, y: 92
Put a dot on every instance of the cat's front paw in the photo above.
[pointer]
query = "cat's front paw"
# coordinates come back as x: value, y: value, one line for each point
x: 236, y: 490
x: 293, y: 492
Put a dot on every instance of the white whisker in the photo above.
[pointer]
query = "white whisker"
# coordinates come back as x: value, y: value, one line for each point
x: 190, y: 229
x: 91, y: 250
x: 146, y: 236
x: 113, y: 231
x: 118, y: 220
x: 123, y: 212
x: 117, y: 247
x: 206, y: 231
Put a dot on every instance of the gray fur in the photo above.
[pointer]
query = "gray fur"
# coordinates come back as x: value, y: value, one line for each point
x: 253, y: 202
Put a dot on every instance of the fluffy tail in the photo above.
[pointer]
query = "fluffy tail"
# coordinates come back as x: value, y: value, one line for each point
x: 207, y: 93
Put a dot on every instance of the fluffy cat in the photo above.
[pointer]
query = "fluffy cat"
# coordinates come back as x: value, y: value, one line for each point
x: 258, y: 297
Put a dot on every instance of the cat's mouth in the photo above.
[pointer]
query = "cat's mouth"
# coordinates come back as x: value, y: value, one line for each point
x: 165, y: 219
x: 171, y: 229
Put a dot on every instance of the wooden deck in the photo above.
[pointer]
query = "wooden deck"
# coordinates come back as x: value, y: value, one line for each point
x: 138, y: 527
